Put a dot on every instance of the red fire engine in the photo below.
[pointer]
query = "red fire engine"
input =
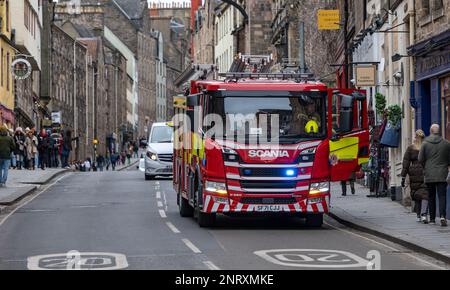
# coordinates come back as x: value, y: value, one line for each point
x: 322, y: 137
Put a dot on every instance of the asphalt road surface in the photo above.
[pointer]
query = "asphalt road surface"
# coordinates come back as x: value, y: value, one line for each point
x: 116, y: 220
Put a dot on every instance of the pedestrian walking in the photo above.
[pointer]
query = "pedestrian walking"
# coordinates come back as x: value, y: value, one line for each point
x: 435, y: 156
x: 107, y: 161
x: 13, y: 155
x: 66, y: 148
x: 129, y: 153
x: 19, y: 141
x: 87, y: 165
x: 114, y: 159
x: 414, y: 169
x: 100, y: 162
x: 55, y: 144
x: 31, y: 144
x: 6, y: 147
x: 136, y: 149
x: 352, y: 185
x: 43, y: 147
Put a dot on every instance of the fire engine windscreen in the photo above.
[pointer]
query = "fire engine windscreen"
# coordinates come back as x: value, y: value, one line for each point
x: 288, y: 118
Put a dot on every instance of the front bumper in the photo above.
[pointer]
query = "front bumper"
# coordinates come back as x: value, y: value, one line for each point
x: 158, y: 168
x: 213, y: 204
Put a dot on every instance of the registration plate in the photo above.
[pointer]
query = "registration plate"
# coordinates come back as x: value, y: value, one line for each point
x: 268, y: 208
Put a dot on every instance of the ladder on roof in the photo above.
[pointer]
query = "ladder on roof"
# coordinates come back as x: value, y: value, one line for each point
x: 252, y: 63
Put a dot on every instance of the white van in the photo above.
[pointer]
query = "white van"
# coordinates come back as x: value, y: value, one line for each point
x: 159, y: 155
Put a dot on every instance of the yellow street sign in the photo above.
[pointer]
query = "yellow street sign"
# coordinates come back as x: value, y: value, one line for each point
x: 328, y: 19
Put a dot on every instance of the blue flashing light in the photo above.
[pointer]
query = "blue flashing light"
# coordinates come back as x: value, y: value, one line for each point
x: 247, y: 172
x: 290, y: 172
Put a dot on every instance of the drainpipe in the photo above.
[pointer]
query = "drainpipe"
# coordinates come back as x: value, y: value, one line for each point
x: 75, y: 109
x: 393, y: 152
x: 412, y: 33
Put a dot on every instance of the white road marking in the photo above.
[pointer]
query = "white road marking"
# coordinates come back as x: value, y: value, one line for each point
x: 31, y: 199
x: 160, y: 204
x: 313, y: 258
x: 162, y: 213
x: 172, y: 228
x: 83, y: 261
x: 158, y: 195
x: 211, y: 265
x: 386, y: 246
x: 191, y: 246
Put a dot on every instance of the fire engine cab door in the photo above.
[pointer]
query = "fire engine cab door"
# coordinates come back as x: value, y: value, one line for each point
x: 346, y: 123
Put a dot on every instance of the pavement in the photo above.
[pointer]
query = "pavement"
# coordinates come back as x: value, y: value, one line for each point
x: 118, y: 220
x: 390, y: 220
x: 22, y: 183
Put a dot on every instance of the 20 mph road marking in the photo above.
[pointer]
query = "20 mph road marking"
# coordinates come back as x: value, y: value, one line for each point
x: 160, y: 204
x: 191, y: 246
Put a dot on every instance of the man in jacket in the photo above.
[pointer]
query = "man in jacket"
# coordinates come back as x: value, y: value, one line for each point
x: 435, y: 156
x: 6, y: 147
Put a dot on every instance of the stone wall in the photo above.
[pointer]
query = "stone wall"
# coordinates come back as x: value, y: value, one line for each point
x: 432, y: 21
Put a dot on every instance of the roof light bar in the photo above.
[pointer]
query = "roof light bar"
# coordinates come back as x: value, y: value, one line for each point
x: 282, y: 76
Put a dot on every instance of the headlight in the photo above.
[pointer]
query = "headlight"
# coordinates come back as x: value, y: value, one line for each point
x: 319, y: 187
x: 229, y: 151
x: 230, y: 155
x: 216, y: 187
x: 152, y: 156
x: 309, y: 151
x: 307, y: 155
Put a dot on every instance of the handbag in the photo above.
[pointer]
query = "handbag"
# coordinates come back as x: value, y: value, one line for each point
x: 391, y: 136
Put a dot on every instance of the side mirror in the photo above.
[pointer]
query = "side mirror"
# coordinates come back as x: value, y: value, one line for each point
x: 335, y: 137
x: 193, y: 101
x: 346, y: 114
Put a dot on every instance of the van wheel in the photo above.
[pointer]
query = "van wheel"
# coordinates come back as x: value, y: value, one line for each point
x: 149, y: 177
x: 314, y: 220
x: 184, y: 207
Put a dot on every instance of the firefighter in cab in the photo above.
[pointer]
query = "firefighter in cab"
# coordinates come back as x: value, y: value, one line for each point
x: 310, y: 118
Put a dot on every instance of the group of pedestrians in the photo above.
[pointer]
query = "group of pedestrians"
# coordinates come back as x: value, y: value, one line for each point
x: 427, y: 163
x: 43, y: 149
x: 28, y: 149
x: 111, y: 160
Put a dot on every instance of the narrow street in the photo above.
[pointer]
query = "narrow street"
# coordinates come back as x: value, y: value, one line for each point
x: 118, y: 213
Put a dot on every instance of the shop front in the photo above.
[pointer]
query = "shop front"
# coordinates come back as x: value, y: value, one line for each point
x: 432, y: 58
x: 7, y: 117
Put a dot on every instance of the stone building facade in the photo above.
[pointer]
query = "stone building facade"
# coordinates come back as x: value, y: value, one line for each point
x: 319, y: 44
x: 70, y: 86
x: 176, y: 55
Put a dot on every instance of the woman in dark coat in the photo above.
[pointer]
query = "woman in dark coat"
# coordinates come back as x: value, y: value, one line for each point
x: 413, y: 168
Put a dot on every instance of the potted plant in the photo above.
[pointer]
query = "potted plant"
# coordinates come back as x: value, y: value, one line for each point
x: 391, y: 135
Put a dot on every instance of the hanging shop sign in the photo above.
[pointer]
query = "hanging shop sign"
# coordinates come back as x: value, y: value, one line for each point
x: 56, y: 117
x: 328, y: 19
x: 21, y: 68
x: 366, y: 76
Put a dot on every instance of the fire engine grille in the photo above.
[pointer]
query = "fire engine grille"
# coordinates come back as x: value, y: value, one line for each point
x: 283, y: 184
x: 267, y: 172
x: 165, y: 157
x: 264, y: 200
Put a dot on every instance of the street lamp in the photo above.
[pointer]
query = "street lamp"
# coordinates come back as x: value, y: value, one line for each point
x: 396, y: 57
